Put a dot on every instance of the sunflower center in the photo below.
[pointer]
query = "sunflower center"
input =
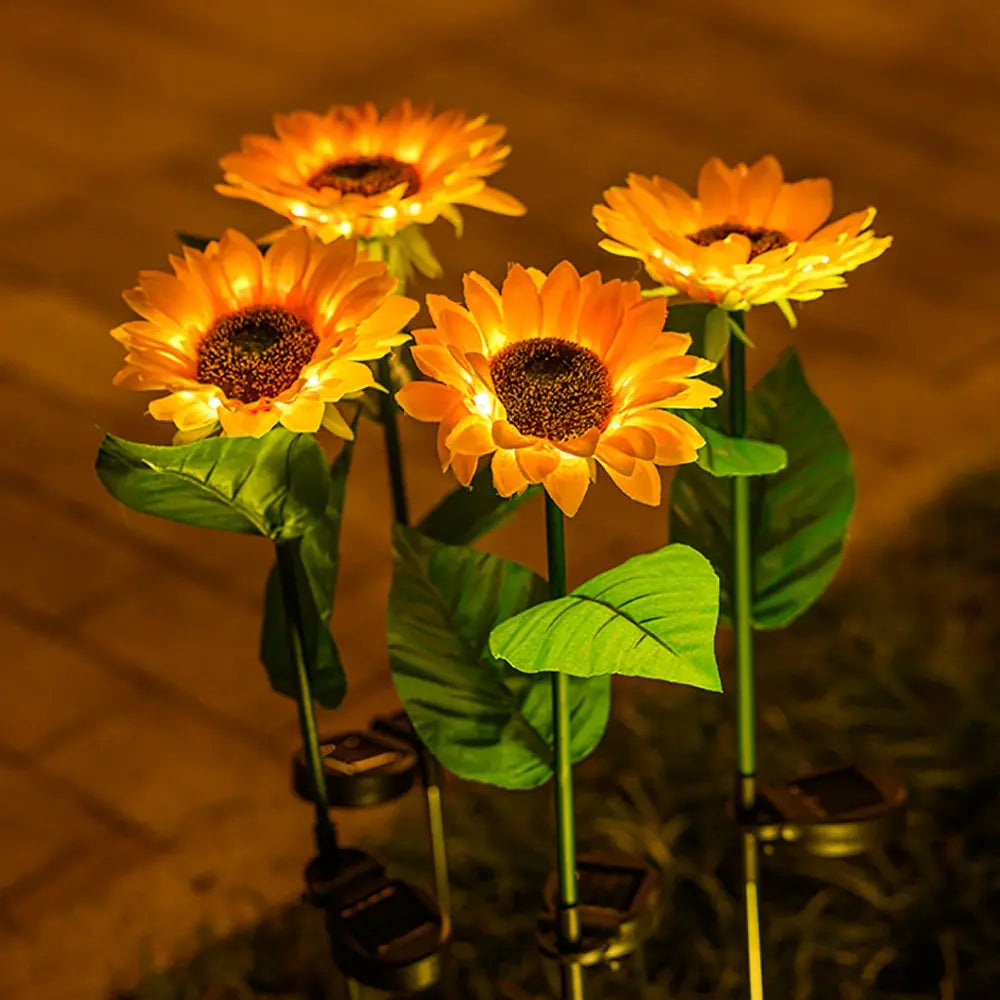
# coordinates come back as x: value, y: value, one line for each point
x: 256, y: 352
x: 761, y: 239
x: 552, y: 388
x: 367, y: 175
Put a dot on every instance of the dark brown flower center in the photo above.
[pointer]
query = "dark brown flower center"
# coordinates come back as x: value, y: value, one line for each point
x: 367, y: 175
x: 552, y: 388
x: 761, y: 239
x: 256, y: 352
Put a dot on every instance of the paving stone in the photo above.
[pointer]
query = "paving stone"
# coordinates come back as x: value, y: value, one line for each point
x: 38, y: 828
x: 164, y: 768
x: 53, y: 689
x: 200, y: 639
x: 52, y: 563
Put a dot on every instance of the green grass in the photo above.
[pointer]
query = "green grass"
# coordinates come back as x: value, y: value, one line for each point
x: 898, y: 667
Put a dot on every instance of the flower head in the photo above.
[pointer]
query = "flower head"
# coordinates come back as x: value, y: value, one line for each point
x: 351, y: 173
x: 747, y: 239
x: 246, y: 340
x: 553, y: 375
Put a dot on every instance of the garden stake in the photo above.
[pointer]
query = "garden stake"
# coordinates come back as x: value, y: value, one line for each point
x: 741, y: 590
x: 568, y: 925
x: 388, y: 411
x: 326, y: 834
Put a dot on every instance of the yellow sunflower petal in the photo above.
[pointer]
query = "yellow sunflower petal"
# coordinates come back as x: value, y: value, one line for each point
x: 304, y: 415
x: 560, y: 296
x: 537, y: 462
x: 471, y: 436
x: 758, y: 191
x: 644, y: 483
x: 717, y: 190
x: 567, y: 485
x: 616, y: 456
x: 245, y: 422
x: 506, y: 435
x: 484, y: 304
x: 507, y: 476
x: 801, y: 208
x: 464, y: 467
x: 522, y: 307
x: 427, y: 401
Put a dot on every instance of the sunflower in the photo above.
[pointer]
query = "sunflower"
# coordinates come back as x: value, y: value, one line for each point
x: 350, y: 173
x: 246, y: 340
x: 747, y: 239
x: 553, y: 375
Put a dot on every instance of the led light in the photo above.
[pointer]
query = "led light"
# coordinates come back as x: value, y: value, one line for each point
x: 215, y: 403
x: 299, y: 210
x: 323, y: 217
x: 483, y: 403
x: 344, y: 228
x: 389, y: 212
x: 414, y: 208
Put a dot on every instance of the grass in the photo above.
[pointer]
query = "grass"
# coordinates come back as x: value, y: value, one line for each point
x: 898, y: 667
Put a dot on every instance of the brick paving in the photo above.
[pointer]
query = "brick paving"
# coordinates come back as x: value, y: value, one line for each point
x: 143, y: 760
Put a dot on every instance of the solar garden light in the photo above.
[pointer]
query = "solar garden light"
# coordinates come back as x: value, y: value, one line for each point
x: 775, y: 532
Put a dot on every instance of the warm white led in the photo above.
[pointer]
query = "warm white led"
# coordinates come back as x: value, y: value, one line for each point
x: 483, y: 403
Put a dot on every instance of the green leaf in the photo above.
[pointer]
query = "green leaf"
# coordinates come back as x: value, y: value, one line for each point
x: 738, y: 328
x: 468, y: 513
x: 481, y: 719
x: 799, y: 515
x: 653, y: 616
x: 717, y: 332
x: 276, y: 485
x: 316, y: 568
x: 723, y: 455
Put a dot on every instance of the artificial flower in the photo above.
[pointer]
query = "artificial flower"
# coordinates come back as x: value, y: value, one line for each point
x: 244, y: 340
x: 748, y: 238
x: 554, y: 375
x: 351, y: 173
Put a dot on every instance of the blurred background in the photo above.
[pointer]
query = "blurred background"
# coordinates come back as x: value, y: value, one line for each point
x: 143, y: 759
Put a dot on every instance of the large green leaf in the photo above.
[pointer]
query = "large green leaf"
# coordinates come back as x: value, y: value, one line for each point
x: 317, y: 562
x: 468, y: 513
x: 276, y: 485
x: 722, y: 455
x: 480, y: 718
x: 799, y: 515
x: 653, y: 616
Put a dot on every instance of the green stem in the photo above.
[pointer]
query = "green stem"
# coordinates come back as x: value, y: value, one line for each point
x: 746, y: 722
x: 742, y: 586
x: 569, y: 915
x: 288, y: 556
x: 394, y: 453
